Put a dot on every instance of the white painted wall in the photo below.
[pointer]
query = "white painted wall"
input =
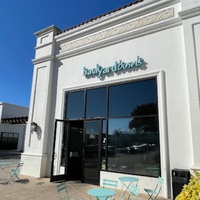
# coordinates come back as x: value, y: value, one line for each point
x: 10, y: 111
x: 165, y: 34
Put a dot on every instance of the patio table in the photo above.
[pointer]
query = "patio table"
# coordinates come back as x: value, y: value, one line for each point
x: 4, y: 171
x: 127, y: 181
x: 101, y: 193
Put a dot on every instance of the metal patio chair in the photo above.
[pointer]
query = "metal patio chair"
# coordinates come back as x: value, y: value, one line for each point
x: 153, y: 193
x: 134, y: 190
x: 14, y: 172
x: 109, y: 183
x: 63, y: 192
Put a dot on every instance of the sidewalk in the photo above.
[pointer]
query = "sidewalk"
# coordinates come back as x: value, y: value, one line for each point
x: 31, y: 188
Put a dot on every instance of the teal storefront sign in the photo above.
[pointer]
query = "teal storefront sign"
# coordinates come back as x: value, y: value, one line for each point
x: 99, y: 71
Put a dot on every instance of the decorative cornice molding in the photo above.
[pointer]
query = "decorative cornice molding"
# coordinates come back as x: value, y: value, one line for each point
x: 45, y: 45
x: 42, y: 59
x: 121, y: 38
x: 120, y: 29
x: 190, y: 13
x: 49, y: 29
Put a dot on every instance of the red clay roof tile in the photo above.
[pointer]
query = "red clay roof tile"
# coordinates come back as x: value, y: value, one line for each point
x: 100, y: 16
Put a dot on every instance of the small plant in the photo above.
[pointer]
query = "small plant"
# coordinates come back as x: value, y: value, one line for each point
x: 192, y: 190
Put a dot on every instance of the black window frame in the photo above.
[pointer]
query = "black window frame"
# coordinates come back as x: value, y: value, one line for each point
x: 107, y: 117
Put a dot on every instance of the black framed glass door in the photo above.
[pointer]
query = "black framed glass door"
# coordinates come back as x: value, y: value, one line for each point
x: 92, y: 151
x: 67, y: 150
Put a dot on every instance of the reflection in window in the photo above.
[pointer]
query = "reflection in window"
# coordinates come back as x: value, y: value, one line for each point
x: 91, y: 139
x: 134, y: 143
x: 8, y: 140
x: 96, y: 103
x: 75, y: 105
x: 131, y: 143
x: 103, y: 146
x: 125, y: 98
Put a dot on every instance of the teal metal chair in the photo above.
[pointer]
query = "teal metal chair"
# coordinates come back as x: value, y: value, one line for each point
x: 63, y: 192
x: 134, y: 190
x: 153, y: 193
x: 14, y: 172
x: 109, y: 184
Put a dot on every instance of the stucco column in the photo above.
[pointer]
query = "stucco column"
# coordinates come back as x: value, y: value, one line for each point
x: 36, y: 142
x: 191, y: 26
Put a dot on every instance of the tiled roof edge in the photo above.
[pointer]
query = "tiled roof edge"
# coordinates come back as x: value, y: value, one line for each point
x: 100, y: 16
x: 15, y: 120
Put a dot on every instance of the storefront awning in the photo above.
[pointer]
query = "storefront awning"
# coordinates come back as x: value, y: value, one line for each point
x: 15, y: 120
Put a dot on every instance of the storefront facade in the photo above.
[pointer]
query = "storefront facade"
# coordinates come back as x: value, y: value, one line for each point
x: 117, y: 95
x: 13, y: 121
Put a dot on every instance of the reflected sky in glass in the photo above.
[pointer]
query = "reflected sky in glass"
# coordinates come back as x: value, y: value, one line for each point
x: 96, y: 103
x: 121, y: 125
x: 123, y: 99
x: 75, y: 105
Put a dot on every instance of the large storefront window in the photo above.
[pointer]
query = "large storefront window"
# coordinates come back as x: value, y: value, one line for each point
x: 135, y: 145
x: 130, y: 132
x: 127, y: 98
x: 133, y: 128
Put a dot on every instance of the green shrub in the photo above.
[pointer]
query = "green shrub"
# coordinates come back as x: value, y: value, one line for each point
x: 192, y: 190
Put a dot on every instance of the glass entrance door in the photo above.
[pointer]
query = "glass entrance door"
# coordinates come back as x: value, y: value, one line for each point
x: 91, y: 164
x: 67, y: 151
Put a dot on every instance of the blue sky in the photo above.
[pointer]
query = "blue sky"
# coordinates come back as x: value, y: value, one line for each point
x: 19, y: 20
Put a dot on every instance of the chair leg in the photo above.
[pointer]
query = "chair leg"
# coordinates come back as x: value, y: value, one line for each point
x: 17, y: 177
x: 150, y: 196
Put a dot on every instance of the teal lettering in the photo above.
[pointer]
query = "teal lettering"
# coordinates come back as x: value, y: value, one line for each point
x: 85, y: 71
x: 139, y: 62
x: 114, y: 67
x: 94, y: 71
x: 99, y: 70
x: 130, y: 64
x: 124, y: 66
x: 118, y: 66
x: 106, y: 70
x: 89, y: 72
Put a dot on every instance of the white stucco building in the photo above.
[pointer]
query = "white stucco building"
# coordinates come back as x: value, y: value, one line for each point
x: 12, y: 126
x: 118, y: 95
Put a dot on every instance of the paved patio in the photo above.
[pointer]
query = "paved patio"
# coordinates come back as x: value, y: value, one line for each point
x: 31, y: 188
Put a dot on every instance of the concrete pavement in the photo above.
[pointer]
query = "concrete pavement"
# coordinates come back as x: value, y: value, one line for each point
x: 30, y: 188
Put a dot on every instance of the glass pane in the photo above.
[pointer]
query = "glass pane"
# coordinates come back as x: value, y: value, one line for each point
x: 96, y: 103
x: 5, y: 135
x: 92, y: 130
x: 75, y: 105
x: 129, y: 99
x: 16, y: 135
x: 10, y: 135
x: 60, y: 151
x: 103, y: 146
x: 135, y: 145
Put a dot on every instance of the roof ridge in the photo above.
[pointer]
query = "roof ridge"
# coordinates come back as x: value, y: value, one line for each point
x: 100, y: 16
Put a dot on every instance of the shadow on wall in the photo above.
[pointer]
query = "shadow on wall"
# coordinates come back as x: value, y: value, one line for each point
x: 39, y: 133
x: 36, y: 129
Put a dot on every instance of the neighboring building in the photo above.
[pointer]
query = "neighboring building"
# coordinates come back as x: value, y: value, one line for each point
x: 12, y: 126
x: 118, y: 95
